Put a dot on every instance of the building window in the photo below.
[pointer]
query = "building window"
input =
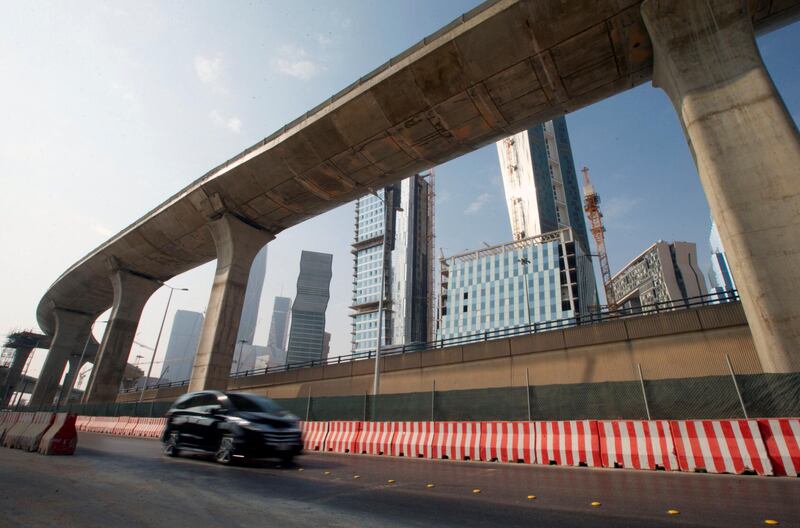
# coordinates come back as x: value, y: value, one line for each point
x: 466, y: 308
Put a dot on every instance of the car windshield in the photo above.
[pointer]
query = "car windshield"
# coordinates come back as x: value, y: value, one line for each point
x: 254, y: 404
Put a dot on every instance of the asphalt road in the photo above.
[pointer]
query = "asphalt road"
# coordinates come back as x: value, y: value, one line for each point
x: 120, y: 482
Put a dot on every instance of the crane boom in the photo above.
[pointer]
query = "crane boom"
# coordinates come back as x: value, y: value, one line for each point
x: 592, y: 208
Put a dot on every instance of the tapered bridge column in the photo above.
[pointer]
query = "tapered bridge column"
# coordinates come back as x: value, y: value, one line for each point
x: 69, y: 379
x: 131, y: 293
x: 14, y: 374
x: 237, y: 244
x: 747, y: 150
x: 72, y: 329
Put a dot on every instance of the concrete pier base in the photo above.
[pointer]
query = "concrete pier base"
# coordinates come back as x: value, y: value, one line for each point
x: 131, y: 293
x: 72, y: 329
x: 14, y: 374
x: 237, y: 244
x: 747, y: 150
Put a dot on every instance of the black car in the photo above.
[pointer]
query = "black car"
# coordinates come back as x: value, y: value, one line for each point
x: 231, y: 426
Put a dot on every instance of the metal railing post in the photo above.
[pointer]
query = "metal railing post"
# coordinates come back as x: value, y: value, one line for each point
x: 528, y: 392
x: 433, y: 401
x: 644, y: 394
x: 736, y: 386
x: 308, y: 404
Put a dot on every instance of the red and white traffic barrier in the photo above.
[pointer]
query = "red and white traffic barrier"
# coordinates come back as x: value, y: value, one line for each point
x: 508, y: 441
x: 457, y: 440
x: 720, y: 446
x: 637, y: 444
x: 314, y: 435
x: 61, y: 438
x: 342, y: 436
x: 414, y: 439
x: 572, y: 443
x: 376, y: 438
x: 782, y: 440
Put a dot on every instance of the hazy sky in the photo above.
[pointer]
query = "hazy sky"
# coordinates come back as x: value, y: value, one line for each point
x: 108, y: 108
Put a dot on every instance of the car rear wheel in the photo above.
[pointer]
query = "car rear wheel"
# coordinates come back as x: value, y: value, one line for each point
x: 224, y: 453
x: 171, y: 445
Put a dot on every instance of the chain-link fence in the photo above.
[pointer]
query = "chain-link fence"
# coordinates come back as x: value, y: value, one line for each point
x: 723, y: 396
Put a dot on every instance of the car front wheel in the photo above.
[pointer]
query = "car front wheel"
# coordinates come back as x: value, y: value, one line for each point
x: 224, y: 454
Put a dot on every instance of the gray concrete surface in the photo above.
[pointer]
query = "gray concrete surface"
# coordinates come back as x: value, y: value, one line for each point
x: 126, y: 482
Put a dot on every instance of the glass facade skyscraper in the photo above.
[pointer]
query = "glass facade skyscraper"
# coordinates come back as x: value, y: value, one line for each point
x: 541, y: 187
x: 485, y: 290
x: 307, y: 334
x: 182, y: 347
x: 402, y: 214
x: 279, y: 331
x: 720, y: 274
x: 243, y: 357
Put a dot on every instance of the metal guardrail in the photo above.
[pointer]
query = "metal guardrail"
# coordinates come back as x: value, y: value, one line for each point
x: 533, y: 328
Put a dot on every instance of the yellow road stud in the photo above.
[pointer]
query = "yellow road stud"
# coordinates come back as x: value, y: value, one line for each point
x: 327, y: 472
x: 596, y: 503
x: 673, y: 511
x: 429, y: 485
x: 771, y: 522
x: 356, y: 476
x: 391, y: 481
x: 531, y: 497
x: 299, y: 469
x: 476, y: 490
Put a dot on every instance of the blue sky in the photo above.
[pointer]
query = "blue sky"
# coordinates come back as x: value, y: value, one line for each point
x: 108, y: 108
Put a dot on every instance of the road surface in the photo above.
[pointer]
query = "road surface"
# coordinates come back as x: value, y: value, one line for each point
x: 126, y: 482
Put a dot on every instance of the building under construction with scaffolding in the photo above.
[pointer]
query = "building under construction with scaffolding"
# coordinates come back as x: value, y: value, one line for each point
x: 393, y: 264
x: 536, y: 280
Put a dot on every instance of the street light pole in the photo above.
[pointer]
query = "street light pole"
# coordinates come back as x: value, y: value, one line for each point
x: 524, y: 261
x: 158, y: 339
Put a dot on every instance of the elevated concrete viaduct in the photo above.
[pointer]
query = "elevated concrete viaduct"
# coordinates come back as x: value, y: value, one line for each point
x: 492, y: 72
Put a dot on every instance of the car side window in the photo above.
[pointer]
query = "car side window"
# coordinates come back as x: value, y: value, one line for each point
x: 204, y: 403
x: 188, y: 403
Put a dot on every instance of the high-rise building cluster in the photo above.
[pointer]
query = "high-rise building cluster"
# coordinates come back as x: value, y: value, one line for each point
x: 543, y: 275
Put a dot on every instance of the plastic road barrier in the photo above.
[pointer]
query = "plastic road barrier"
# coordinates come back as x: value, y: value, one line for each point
x: 637, y: 444
x: 572, y: 443
x: 782, y: 440
x: 30, y: 438
x: 720, y: 446
x: 508, y: 441
x: 342, y: 436
x: 8, y: 421
x: 12, y: 434
x: 457, y: 440
x: 130, y: 427
x: 376, y: 438
x: 414, y: 439
x: 314, y: 435
x: 61, y: 438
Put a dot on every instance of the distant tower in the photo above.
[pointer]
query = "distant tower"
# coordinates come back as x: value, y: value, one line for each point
x: 326, y: 346
x: 182, y: 346
x: 720, y: 275
x: 279, y: 331
x: 407, y: 224
x: 308, y: 311
x: 247, y: 324
x: 542, y: 191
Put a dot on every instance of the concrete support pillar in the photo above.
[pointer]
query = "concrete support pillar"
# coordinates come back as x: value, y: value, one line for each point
x: 72, y: 329
x: 131, y: 293
x: 237, y: 244
x: 14, y: 374
x: 747, y: 150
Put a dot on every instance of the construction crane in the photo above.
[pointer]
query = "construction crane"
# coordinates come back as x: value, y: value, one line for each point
x: 592, y: 208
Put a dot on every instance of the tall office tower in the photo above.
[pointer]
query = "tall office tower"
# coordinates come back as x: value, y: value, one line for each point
x: 247, y: 323
x: 666, y: 272
x: 541, y: 186
x: 407, y: 224
x: 540, y: 182
x: 279, y: 331
x: 720, y: 274
x: 533, y: 280
x: 182, y: 346
x: 307, y: 331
